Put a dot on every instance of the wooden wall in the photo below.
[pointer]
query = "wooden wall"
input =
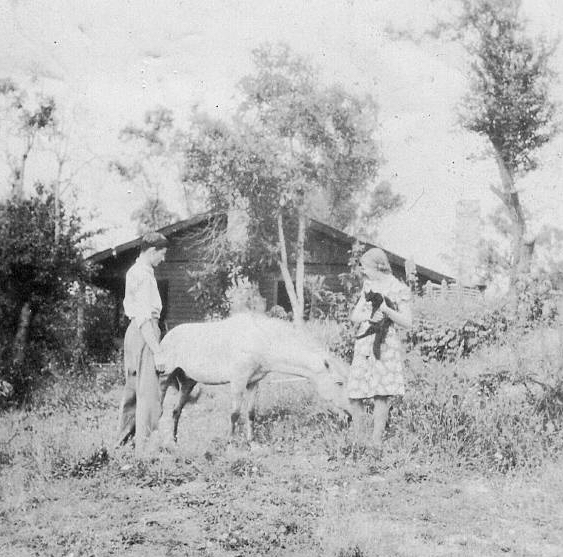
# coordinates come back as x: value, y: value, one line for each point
x: 326, y: 255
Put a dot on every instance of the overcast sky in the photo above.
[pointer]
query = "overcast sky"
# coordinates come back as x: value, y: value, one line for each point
x: 107, y: 62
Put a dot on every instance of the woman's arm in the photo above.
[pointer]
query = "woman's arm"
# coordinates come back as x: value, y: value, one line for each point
x: 361, y: 311
x: 403, y: 318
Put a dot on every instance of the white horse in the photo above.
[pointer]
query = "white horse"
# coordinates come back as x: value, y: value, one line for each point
x: 241, y: 350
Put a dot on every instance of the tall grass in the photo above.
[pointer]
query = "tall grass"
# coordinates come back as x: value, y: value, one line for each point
x: 312, y: 486
x: 499, y: 409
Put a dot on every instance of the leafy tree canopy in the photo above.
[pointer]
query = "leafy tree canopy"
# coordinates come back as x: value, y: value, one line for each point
x: 294, y: 146
x: 149, y: 165
x: 295, y: 149
x: 35, y: 268
x: 509, y: 98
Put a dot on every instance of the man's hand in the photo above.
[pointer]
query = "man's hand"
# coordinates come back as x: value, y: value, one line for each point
x: 159, y: 360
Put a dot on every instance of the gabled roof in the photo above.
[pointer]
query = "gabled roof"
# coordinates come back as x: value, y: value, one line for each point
x: 314, y: 224
x: 169, y: 230
x: 394, y: 259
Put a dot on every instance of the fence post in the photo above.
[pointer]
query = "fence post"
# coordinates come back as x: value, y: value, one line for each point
x: 443, y: 289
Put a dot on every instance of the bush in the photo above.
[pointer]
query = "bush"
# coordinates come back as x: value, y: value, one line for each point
x: 451, y: 340
x: 99, y: 326
x: 448, y: 329
x: 484, y: 417
x: 40, y: 259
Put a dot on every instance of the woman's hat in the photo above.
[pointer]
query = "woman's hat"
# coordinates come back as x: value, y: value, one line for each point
x: 375, y: 260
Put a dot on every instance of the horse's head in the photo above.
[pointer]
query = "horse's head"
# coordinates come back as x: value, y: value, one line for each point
x: 330, y: 380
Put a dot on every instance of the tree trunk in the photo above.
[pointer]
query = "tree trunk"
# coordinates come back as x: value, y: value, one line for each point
x: 300, y: 264
x: 284, y: 268
x: 522, y: 248
x: 80, y: 348
x: 57, y: 215
x: 22, y: 335
x: 19, y: 173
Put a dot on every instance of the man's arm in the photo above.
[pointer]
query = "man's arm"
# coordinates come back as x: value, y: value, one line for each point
x: 153, y: 343
x: 142, y: 314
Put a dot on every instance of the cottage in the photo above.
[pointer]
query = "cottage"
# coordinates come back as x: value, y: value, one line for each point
x: 327, y: 249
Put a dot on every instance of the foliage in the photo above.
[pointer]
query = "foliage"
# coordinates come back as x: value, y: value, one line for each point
x: 381, y: 202
x: 155, y: 144
x: 446, y: 331
x: 208, y: 288
x: 449, y: 341
x: 294, y: 149
x: 508, y: 102
x: 25, y: 122
x: 152, y: 215
x: 36, y: 272
x: 99, y: 324
x: 466, y: 437
x: 324, y: 136
x: 489, y: 431
x: 32, y: 265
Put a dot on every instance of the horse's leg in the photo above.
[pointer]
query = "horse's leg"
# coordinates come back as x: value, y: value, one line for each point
x: 186, y: 385
x: 252, y: 391
x: 237, y: 395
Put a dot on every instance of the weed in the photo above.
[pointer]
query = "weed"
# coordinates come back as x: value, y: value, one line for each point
x: 85, y: 467
x: 244, y: 466
x: 354, y: 551
x: 314, y: 486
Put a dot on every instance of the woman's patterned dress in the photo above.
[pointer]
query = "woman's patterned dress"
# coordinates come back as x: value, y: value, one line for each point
x: 368, y: 376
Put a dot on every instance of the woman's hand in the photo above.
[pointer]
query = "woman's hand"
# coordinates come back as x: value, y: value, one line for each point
x: 377, y: 316
x: 403, y: 318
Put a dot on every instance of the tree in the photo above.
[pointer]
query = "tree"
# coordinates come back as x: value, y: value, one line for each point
x: 381, y: 202
x: 155, y: 146
x: 33, y: 126
x: 26, y: 123
x: 292, y: 144
x: 508, y: 103
x: 36, y: 271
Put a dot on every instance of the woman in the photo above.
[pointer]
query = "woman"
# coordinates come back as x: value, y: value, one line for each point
x: 378, y: 375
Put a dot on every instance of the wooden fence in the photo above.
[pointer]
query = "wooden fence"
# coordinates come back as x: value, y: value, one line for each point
x: 450, y: 292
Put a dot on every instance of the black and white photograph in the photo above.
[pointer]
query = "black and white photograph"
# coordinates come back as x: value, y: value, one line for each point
x: 281, y: 278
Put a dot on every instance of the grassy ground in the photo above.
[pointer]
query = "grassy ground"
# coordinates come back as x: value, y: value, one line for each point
x: 308, y: 487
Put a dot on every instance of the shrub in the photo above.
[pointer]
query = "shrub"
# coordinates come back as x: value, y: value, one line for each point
x: 39, y: 261
x: 452, y: 339
x: 99, y: 326
x: 447, y: 329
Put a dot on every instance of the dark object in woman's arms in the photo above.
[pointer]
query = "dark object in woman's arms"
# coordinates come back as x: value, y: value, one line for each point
x: 381, y: 327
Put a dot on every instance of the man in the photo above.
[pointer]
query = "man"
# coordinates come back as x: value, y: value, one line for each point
x: 141, y: 406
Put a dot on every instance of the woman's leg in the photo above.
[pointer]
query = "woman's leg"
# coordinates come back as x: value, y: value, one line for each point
x: 358, y: 412
x: 380, y: 414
